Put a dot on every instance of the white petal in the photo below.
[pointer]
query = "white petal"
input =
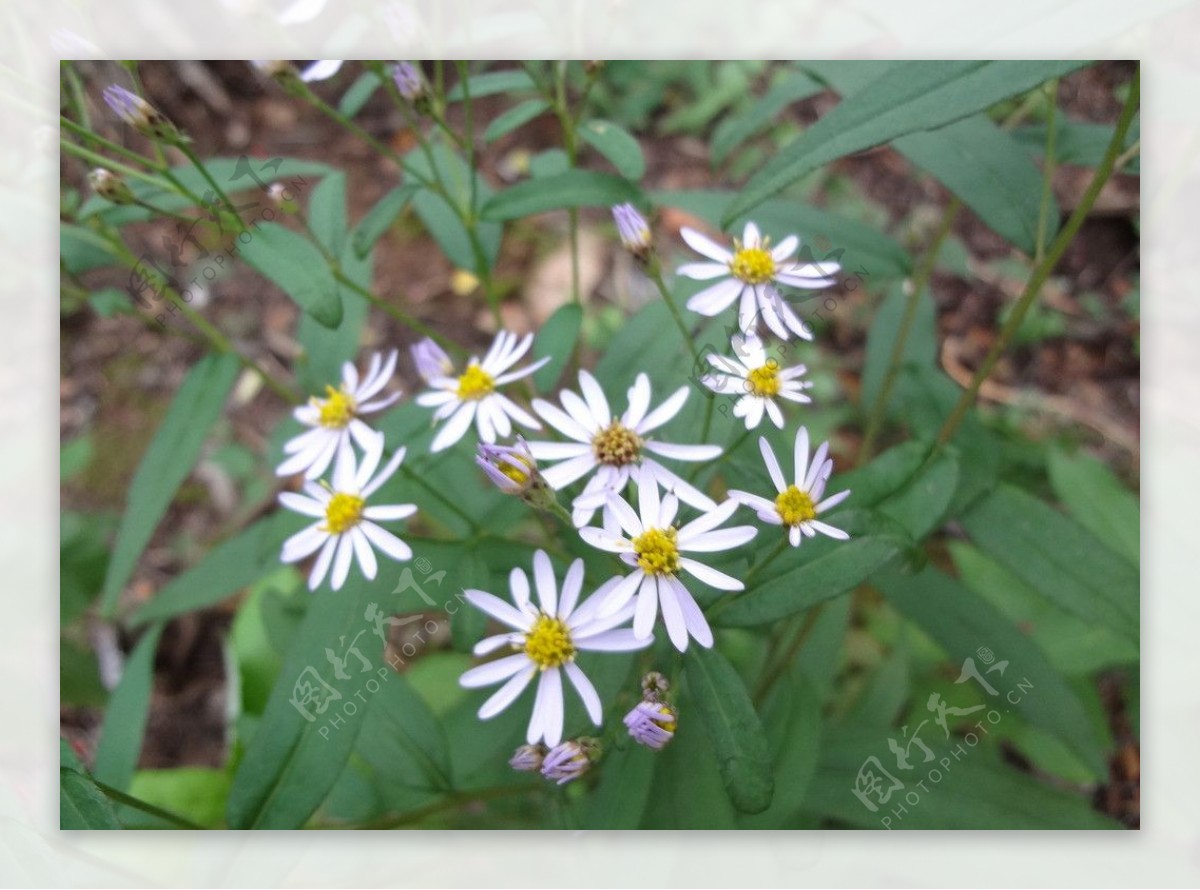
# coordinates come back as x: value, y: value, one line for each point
x: 751, y: 236
x: 772, y: 464
x: 647, y: 607
x: 303, y: 543
x: 673, y: 616
x: 455, y: 428
x: 829, y: 530
x: 710, y: 520
x: 595, y: 398
x: 622, y: 640
x: 580, y: 411
x: 664, y: 412
x: 498, y: 609
x: 649, y: 503
x: 710, y: 576
x: 620, y: 594
x: 387, y: 542
x: 752, y: 501
x: 507, y: 694
x: 587, y: 692
x: 549, y: 709
x: 544, y: 581
x: 715, y: 299
x: 513, y: 410
x: 785, y: 248
x: 390, y: 512
x: 301, y: 504
x: 322, y: 69
x: 604, y: 540
x: 704, y: 245
x: 677, y: 485
x: 488, y: 645
x: 561, y: 421
x: 702, y: 271
x: 557, y: 450
x: 563, y: 474
x: 722, y: 539
x: 571, y: 586
x: 494, y: 671
x: 801, y: 456
x: 814, y: 469
x: 341, y: 561
x: 364, y: 553
x: 639, y: 402
x: 321, y: 566
x: 684, y: 452
x: 696, y: 623
x: 794, y: 535
x: 832, y: 501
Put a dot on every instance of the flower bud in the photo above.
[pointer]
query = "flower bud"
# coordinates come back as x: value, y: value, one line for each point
x: 140, y: 114
x: 634, y: 231
x: 528, y: 758
x: 110, y: 186
x: 510, y: 467
x: 410, y: 84
x: 652, y: 723
x: 654, y: 686
x: 570, y: 760
x: 278, y: 194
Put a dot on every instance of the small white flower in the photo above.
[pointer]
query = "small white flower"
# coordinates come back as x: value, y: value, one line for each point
x: 654, y: 545
x: 797, y: 506
x: 472, y: 394
x: 615, y: 447
x: 758, y: 379
x: 750, y: 271
x: 347, y: 524
x: 545, y: 639
x: 334, y: 420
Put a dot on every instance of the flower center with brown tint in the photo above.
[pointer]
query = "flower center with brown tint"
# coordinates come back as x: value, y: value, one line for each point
x: 617, y: 445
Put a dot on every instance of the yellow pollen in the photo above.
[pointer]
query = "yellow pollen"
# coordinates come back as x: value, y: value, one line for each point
x: 548, y: 643
x: 656, y: 551
x: 795, y: 506
x: 337, y: 409
x: 343, y: 512
x: 475, y: 383
x: 752, y: 265
x: 668, y: 724
x: 764, y: 381
x: 616, y: 445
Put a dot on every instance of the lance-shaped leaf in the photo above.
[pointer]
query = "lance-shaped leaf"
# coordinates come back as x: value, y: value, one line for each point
x: 574, y: 188
x: 292, y: 262
x: 125, y: 718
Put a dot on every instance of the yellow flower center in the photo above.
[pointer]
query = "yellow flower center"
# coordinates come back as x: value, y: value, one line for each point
x: 656, y: 551
x: 795, y: 506
x: 337, y: 409
x: 617, y: 445
x: 752, y: 265
x: 548, y: 643
x: 512, y: 471
x: 343, y: 512
x: 475, y: 383
x: 764, y: 381
x: 669, y: 724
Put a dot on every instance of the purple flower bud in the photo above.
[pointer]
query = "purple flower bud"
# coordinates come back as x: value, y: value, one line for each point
x: 409, y: 82
x: 570, y: 760
x: 138, y: 113
x: 528, y: 758
x: 633, y: 229
x: 510, y: 467
x: 652, y: 724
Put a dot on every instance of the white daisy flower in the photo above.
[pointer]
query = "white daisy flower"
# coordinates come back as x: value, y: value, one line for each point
x: 797, y: 506
x: 335, y: 419
x: 545, y: 638
x: 615, y: 447
x: 347, y: 524
x: 758, y: 379
x: 751, y: 271
x: 654, y: 545
x: 472, y: 394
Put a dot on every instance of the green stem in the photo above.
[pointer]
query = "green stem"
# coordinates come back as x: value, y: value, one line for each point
x: 1042, y: 271
x: 655, y: 275
x: 916, y: 286
x: 1048, y: 165
x: 772, y: 675
x: 775, y: 553
x: 449, y: 802
x: 219, y: 192
x: 84, y: 133
x: 108, y: 163
x: 150, y: 809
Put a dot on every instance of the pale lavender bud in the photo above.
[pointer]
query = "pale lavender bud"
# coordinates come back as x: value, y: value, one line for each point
x: 510, y: 467
x: 138, y: 113
x: 633, y: 229
x: 431, y: 360
x: 409, y: 82
x: 570, y: 760
x: 528, y: 758
x: 652, y: 724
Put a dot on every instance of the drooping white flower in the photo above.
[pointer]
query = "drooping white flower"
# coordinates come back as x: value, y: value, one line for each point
x: 335, y: 420
x: 798, y: 505
x: 544, y: 641
x: 615, y: 447
x: 758, y: 379
x: 655, y: 546
x: 472, y: 395
x: 346, y: 526
x: 751, y: 272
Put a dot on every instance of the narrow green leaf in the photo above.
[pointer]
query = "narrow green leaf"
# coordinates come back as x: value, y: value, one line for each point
x: 1067, y: 564
x: 125, y: 718
x: 168, y: 461
x: 688, y: 791
x: 468, y: 624
x: 1098, y: 501
x: 403, y: 743
x: 298, y: 268
x: 792, y: 717
x: 616, y: 144
x: 491, y: 84
x: 574, y: 188
x: 81, y: 805
x: 197, y: 792
x: 327, y: 212
x: 625, y: 782
x: 922, y: 504
x: 963, y: 624
x: 380, y: 218
x: 517, y: 116
x: 359, y: 94
x: 227, y: 568
x: 556, y: 339
x: 735, y: 130
x: 737, y: 737
x: 909, y: 97
x: 920, y: 349
x: 1077, y: 142
x: 443, y: 220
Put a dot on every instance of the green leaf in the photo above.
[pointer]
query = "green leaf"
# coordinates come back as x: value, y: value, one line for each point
x: 81, y: 805
x: 737, y: 737
x: 556, y: 339
x: 922, y: 504
x: 688, y: 790
x: 297, y: 267
x: 920, y: 349
x: 515, y: 117
x: 82, y: 250
x: 468, y: 624
x: 226, y: 569
x: 1057, y: 557
x: 327, y: 212
x: 986, y: 167
x: 168, y: 461
x: 962, y: 623
x: 625, y: 782
x: 909, y: 97
x: 819, y: 570
x: 359, y: 94
x: 866, y: 254
x: 1098, y: 501
x: 1077, y: 142
x: 735, y: 130
x: 792, y: 717
x: 380, y: 218
x: 302, y: 742
x: 444, y: 220
x: 617, y: 145
x: 125, y: 718
x: 491, y: 84
x: 550, y: 162
x: 574, y: 188
x: 198, y: 792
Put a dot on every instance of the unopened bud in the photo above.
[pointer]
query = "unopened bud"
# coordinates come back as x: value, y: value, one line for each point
x: 634, y: 231
x: 410, y: 84
x: 528, y: 758
x: 511, y: 468
x: 652, y: 723
x: 278, y: 194
x: 570, y: 760
x: 140, y: 114
x: 654, y: 686
x: 110, y: 186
